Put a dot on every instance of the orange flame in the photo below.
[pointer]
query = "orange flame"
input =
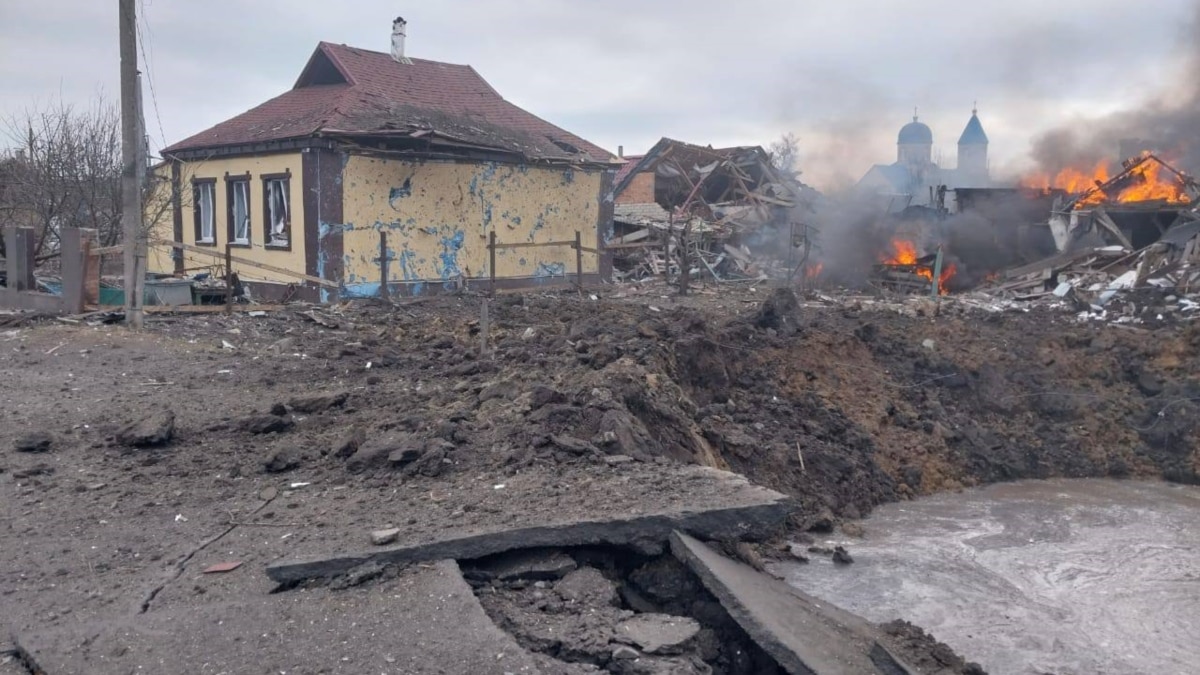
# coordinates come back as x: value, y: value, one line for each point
x: 1147, y: 182
x: 905, y: 253
x: 813, y: 271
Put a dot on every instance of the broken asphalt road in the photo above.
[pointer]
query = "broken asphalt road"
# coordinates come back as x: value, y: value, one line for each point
x: 758, y: 513
x: 424, y: 621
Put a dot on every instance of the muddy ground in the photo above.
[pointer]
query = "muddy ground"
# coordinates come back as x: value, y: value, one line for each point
x: 291, y: 434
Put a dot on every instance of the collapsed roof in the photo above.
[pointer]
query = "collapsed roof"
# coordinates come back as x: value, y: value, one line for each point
x: 715, y: 184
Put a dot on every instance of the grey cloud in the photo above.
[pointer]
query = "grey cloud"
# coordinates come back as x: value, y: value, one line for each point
x: 843, y: 76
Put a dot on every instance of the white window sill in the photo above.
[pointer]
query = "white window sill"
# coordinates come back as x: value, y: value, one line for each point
x: 206, y: 241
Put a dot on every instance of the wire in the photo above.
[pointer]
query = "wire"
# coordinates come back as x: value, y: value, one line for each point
x: 149, y: 75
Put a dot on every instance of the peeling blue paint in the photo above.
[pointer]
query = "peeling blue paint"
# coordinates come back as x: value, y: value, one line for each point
x: 361, y: 290
x: 406, y: 265
x: 547, y: 271
x: 398, y: 193
x: 451, y: 245
x: 538, y: 224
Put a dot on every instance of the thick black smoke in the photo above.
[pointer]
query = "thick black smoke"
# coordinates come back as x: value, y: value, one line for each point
x: 1167, y: 122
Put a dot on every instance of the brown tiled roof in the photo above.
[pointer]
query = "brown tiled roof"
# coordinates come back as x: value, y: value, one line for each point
x: 626, y: 168
x: 348, y: 91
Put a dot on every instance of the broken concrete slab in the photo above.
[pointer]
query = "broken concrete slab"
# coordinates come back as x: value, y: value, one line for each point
x: 658, y: 633
x: 758, y: 513
x: 803, y: 634
x: 443, y: 626
x: 587, y: 586
x: 528, y: 565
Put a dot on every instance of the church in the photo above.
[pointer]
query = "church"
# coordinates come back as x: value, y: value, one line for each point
x: 914, y: 178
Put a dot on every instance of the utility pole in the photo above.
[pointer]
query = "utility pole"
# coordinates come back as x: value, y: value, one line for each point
x: 132, y: 166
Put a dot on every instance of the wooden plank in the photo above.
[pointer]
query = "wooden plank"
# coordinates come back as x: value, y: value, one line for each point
x: 108, y: 250
x: 1107, y: 222
x: 639, y: 244
x: 633, y: 236
x: 194, y: 309
x: 534, y: 244
x: 248, y: 263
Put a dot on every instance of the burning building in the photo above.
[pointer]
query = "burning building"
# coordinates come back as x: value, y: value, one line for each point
x: 1133, y: 208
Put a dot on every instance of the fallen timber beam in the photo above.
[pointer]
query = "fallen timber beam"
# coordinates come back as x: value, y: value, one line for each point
x: 248, y: 263
x: 649, y: 534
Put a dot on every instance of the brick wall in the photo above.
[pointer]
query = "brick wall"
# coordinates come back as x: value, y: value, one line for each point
x: 639, y: 191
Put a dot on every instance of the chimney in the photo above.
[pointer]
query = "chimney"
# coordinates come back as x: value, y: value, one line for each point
x: 621, y: 151
x: 398, y: 32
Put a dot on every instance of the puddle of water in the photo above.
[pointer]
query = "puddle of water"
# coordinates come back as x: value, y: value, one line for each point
x: 1072, y: 577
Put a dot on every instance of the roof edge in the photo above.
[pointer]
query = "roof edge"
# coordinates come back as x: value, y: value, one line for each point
x: 323, y: 49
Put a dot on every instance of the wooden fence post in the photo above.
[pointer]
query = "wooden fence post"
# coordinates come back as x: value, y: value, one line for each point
x: 383, y: 266
x: 685, y: 263
x: 492, y: 262
x: 485, y: 327
x: 228, y: 278
x: 579, y: 260
x: 936, y: 287
x: 73, y: 265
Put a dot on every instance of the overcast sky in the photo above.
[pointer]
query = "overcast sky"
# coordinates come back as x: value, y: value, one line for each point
x: 843, y: 75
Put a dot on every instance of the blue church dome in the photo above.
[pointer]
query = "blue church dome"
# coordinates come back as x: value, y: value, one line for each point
x: 973, y: 134
x: 915, y: 133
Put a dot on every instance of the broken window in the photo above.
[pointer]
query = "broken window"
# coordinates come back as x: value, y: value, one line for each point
x: 277, y: 209
x: 203, y: 199
x: 239, y: 211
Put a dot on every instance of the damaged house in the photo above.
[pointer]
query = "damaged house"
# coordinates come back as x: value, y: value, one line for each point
x: 718, y: 202
x: 1134, y: 208
x: 369, y: 143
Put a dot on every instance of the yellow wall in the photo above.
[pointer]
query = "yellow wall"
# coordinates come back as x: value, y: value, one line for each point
x: 160, y: 258
x: 438, y: 215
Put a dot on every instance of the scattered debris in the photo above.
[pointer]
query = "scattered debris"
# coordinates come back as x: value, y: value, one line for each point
x: 385, y: 537
x: 318, y: 403
x: 221, y: 568
x: 156, y: 429
x: 265, y: 424
x: 687, y: 211
x: 841, y: 556
x: 282, y: 460
x: 33, y: 442
x: 528, y: 564
x: 658, y: 633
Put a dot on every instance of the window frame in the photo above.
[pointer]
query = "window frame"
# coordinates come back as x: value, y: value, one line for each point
x: 231, y: 181
x: 197, y: 223
x: 286, y: 179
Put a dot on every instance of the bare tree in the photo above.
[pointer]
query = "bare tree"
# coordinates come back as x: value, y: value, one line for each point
x: 62, y: 168
x: 784, y: 154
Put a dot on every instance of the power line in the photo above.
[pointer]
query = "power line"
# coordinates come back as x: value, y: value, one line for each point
x: 149, y: 75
